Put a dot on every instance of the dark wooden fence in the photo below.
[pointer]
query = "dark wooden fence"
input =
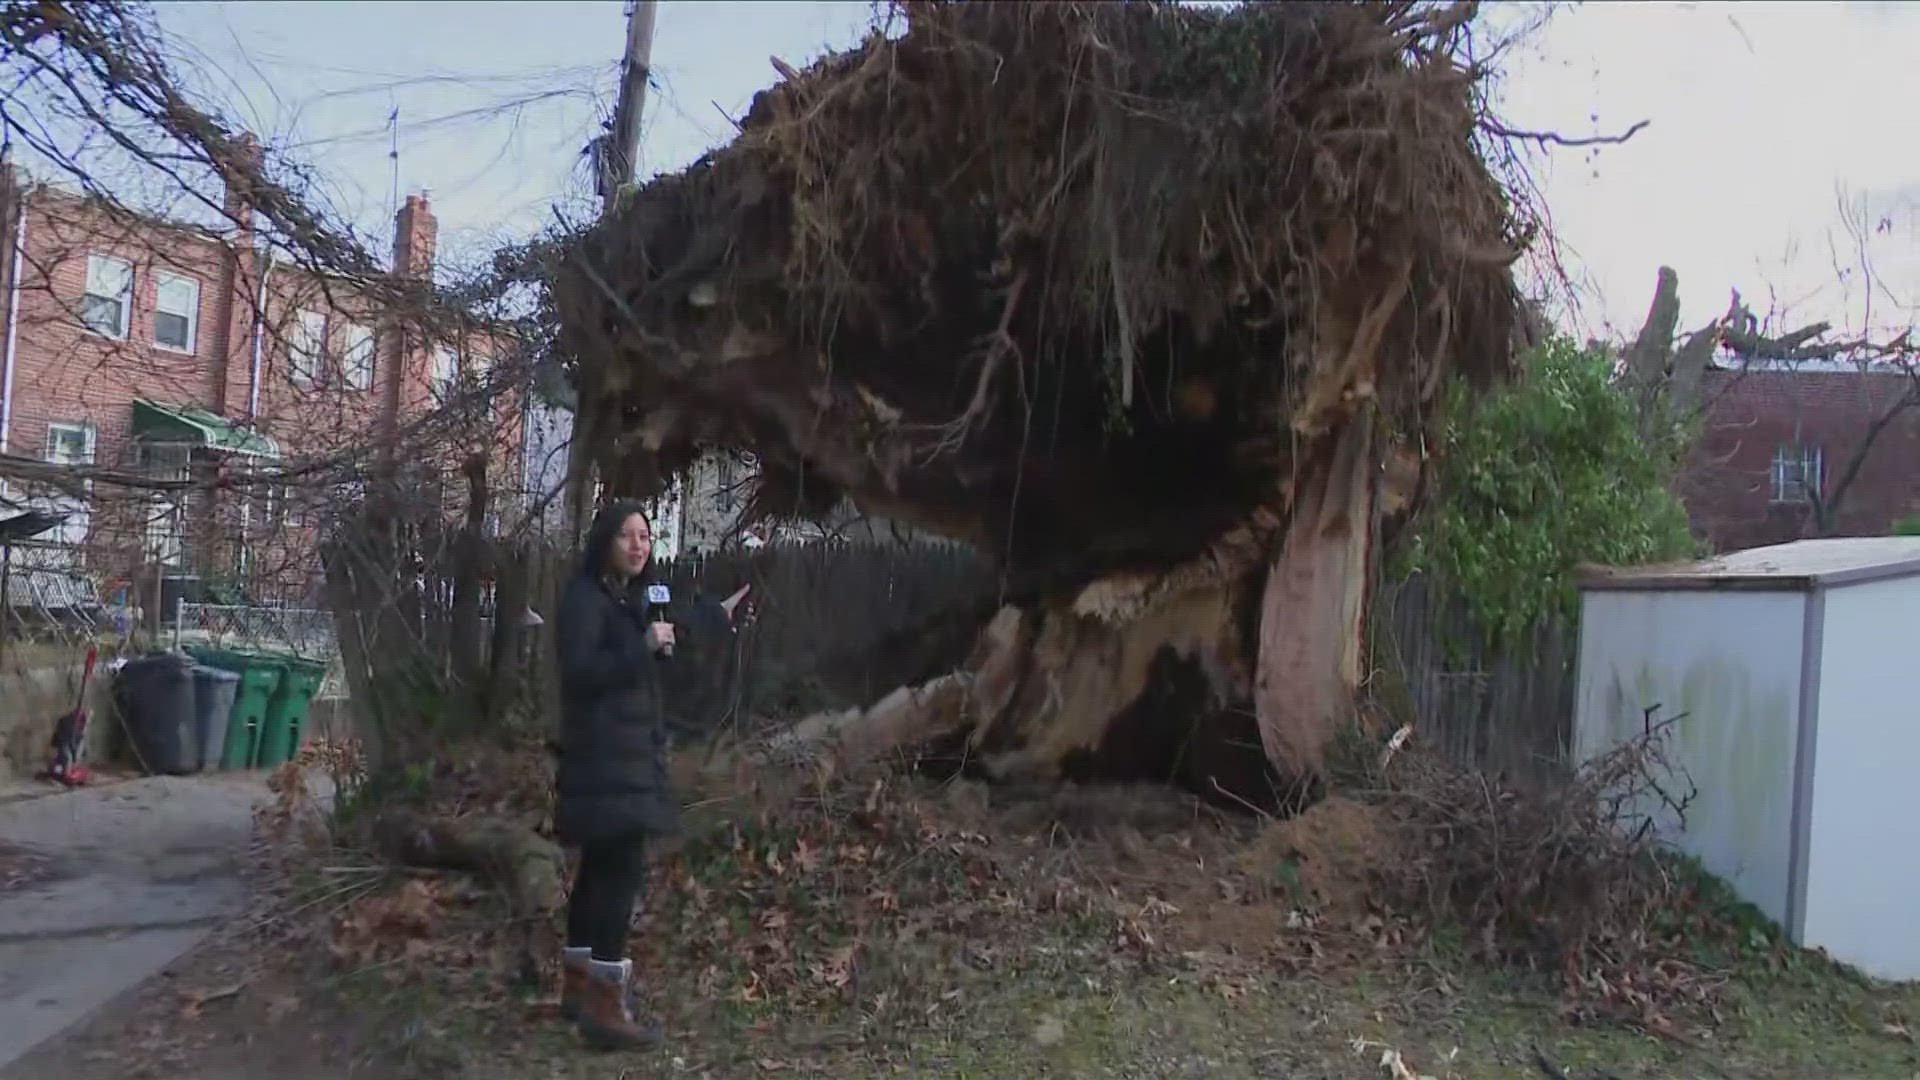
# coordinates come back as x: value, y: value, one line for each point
x: 840, y: 624
x: 835, y: 624
x: 1503, y: 710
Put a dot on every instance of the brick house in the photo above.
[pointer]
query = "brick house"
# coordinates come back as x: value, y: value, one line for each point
x: 182, y: 354
x: 1776, y: 441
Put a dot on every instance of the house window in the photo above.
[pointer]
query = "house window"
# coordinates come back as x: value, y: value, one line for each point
x: 480, y: 374
x: 176, y: 312
x: 356, y: 357
x: 442, y: 371
x: 108, y: 304
x: 307, y: 349
x: 70, y: 444
x: 164, y: 461
x: 1799, y: 474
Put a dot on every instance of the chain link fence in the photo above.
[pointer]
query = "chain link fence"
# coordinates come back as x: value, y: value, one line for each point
x: 304, y: 632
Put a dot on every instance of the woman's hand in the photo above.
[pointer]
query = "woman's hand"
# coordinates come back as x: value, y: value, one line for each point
x: 660, y: 638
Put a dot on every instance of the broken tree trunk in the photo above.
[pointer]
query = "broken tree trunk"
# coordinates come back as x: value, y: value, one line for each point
x: 1185, y: 675
x: 1313, y: 611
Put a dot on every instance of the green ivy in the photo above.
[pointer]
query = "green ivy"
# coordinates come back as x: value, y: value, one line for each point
x: 1537, y: 478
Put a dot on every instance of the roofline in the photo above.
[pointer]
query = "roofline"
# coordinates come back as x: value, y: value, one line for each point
x: 48, y: 192
x: 1610, y: 579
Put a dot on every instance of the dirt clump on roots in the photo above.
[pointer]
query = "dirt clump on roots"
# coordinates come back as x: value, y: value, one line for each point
x: 1083, y: 283
x: 1331, y: 857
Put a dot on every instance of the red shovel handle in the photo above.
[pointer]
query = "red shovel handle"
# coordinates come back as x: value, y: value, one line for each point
x: 86, y: 674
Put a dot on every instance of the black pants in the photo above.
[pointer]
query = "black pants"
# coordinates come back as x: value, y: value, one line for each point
x: 611, y: 876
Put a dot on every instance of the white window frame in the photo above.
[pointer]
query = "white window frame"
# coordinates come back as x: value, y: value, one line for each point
x: 307, y: 348
x: 443, y: 372
x: 78, y: 511
x: 96, y: 265
x: 161, y: 279
x: 1799, y: 474
x: 89, y: 438
x: 358, y: 359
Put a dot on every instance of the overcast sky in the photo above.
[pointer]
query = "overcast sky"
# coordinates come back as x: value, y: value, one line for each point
x: 1761, y: 115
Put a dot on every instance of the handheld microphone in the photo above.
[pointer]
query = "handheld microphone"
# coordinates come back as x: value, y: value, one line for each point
x: 659, y: 595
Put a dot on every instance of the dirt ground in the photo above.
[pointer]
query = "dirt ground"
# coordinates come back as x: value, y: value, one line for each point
x: 950, y: 932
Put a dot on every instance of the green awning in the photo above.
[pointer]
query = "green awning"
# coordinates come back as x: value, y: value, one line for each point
x: 186, y: 424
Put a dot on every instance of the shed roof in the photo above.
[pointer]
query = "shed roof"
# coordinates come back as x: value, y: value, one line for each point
x: 1801, y: 565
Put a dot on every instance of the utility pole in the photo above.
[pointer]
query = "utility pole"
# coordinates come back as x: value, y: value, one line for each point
x: 616, y: 156
x: 619, y: 159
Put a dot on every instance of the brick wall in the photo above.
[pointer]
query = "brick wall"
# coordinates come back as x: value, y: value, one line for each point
x: 67, y: 374
x: 1729, y: 486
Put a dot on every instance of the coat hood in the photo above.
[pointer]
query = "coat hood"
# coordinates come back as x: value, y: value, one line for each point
x: 606, y: 526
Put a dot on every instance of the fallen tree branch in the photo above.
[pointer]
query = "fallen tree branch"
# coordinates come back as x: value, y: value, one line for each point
x: 527, y: 867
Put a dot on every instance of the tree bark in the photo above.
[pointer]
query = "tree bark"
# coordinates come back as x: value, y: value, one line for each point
x: 1312, y: 616
x: 469, y: 566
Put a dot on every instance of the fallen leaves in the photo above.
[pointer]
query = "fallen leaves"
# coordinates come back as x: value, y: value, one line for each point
x: 837, y: 969
x: 394, y: 929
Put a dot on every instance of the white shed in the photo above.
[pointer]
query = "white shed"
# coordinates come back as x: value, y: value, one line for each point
x: 1795, y: 669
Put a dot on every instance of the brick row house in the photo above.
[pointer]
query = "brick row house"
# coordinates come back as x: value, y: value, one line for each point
x: 183, y: 354
x: 1776, y: 444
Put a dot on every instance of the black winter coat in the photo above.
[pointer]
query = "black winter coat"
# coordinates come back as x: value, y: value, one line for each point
x: 614, y: 702
x: 613, y: 735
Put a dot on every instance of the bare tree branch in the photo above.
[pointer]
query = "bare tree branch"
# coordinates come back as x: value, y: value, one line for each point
x: 1554, y: 138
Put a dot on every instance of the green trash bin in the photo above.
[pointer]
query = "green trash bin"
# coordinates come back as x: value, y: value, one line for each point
x: 286, y: 721
x: 261, y: 676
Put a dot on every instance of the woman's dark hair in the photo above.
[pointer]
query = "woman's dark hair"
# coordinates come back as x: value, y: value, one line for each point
x: 606, y: 525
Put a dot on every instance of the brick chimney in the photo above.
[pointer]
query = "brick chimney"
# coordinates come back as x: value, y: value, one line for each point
x: 405, y: 355
x: 415, y: 231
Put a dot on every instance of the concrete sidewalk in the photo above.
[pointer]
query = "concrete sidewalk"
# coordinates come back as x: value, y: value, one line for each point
x: 140, y: 872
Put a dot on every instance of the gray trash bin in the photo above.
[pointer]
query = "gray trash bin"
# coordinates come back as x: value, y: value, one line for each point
x: 213, y: 694
x: 158, y: 693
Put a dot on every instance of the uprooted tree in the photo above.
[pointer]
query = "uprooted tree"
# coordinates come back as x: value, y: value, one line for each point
x: 1155, y: 304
